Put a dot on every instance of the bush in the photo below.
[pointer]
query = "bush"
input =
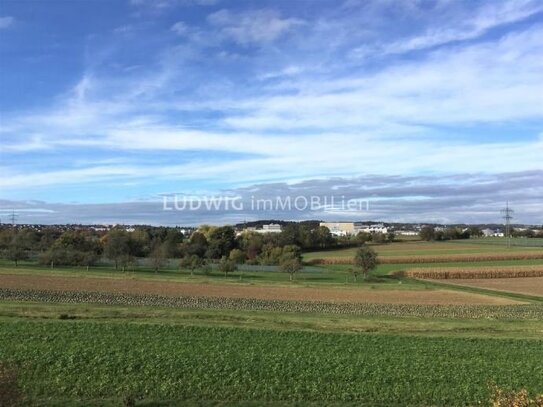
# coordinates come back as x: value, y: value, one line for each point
x: 520, y: 398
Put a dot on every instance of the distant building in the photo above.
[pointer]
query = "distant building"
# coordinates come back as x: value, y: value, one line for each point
x: 492, y: 233
x: 271, y: 228
x: 376, y: 228
x: 342, y: 228
x: 353, y: 228
x: 406, y: 233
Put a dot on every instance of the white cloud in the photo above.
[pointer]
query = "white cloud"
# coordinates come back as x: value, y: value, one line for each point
x: 301, y: 124
x: 466, y: 25
x: 488, y: 82
x: 253, y: 27
x: 6, y: 22
x: 180, y: 28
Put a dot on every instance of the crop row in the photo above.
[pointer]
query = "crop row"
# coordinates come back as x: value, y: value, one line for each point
x: 96, y: 360
x: 449, y: 258
x: 525, y: 311
x: 474, y: 272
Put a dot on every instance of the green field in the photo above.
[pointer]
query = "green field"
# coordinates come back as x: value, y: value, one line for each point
x: 65, y: 361
x: 421, y: 248
x: 515, y: 241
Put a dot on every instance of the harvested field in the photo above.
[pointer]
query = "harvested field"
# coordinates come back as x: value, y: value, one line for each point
x: 527, y: 285
x: 449, y: 258
x: 338, y: 295
x: 475, y: 272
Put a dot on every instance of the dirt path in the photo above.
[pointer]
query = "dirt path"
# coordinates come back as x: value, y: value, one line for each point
x: 520, y: 285
x: 442, y: 297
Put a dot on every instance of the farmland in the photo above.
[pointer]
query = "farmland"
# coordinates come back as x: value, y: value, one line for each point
x: 351, y: 295
x: 432, y: 252
x: 418, y: 248
x: 78, y: 337
x: 476, y: 272
x: 169, y: 362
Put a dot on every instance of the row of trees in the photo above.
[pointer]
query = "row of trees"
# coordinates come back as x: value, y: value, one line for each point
x: 205, y: 246
x: 430, y: 233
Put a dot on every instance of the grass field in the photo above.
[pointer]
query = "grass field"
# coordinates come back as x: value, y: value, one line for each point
x: 421, y: 248
x: 253, y: 338
x: 515, y: 241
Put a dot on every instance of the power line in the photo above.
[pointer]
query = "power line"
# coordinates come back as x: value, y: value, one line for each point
x: 507, y: 215
x: 13, y: 217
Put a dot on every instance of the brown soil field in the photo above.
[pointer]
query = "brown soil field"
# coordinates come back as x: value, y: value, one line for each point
x: 520, y: 285
x: 431, y: 297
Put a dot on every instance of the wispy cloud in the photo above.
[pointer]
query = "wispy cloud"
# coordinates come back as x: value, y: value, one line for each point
x: 6, y: 22
x: 253, y: 27
x: 214, y: 100
x: 458, y: 26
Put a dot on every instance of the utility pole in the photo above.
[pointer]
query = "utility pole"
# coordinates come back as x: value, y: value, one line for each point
x: 13, y: 217
x: 507, y: 215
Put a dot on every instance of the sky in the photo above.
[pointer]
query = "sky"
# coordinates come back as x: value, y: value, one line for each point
x: 425, y: 111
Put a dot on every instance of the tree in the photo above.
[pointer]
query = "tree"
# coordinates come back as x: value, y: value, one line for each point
x: 16, y: 253
x: 291, y: 265
x: 197, y: 245
x: 89, y: 259
x: 221, y: 241
x: 365, y: 260
x: 237, y: 256
x: 116, y: 247
x: 16, y: 248
x: 475, y: 231
x: 363, y: 237
x: 379, y: 237
x: 227, y: 266
x: 73, y: 248
x: 158, y: 254
x: 192, y: 263
x: 172, y: 243
x: 52, y: 256
x: 428, y: 233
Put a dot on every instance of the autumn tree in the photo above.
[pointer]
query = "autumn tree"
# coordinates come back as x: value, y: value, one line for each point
x: 365, y: 260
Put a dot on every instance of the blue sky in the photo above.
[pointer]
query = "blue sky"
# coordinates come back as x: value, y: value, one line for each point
x: 119, y: 102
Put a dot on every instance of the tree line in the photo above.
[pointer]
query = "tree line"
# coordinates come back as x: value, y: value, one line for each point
x: 208, y: 244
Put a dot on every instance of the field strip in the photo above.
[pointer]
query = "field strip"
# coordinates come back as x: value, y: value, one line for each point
x: 519, y: 285
x: 520, y: 311
x: 490, y: 272
x: 174, y: 289
x: 448, y: 258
